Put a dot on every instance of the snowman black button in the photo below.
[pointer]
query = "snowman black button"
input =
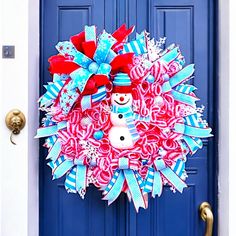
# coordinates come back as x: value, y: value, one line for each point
x: 120, y: 116
x: 122, y: 138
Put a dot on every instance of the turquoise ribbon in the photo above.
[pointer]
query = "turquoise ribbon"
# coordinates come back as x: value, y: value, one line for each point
x: 157, y: 184
x: 172, y: 85
x: 81, y: 172
x: 50, y: 130
x: 192, y: 131
x: 169, y: 174
x: 89, y: 67
x: 178, y: 78
x: 62, y: 168
x: 170, y: 56
x: 55, y: 151
x: 115, y: 186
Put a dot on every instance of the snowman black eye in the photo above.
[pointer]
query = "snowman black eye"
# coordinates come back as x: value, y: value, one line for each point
x: 116, y: 94
x: 122, y: 138
x: 125, y: 94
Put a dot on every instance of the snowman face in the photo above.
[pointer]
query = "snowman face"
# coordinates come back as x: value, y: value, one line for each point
x: 121, y: 99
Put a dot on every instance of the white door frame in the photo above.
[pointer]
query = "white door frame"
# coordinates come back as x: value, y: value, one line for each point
x: 19, y: 201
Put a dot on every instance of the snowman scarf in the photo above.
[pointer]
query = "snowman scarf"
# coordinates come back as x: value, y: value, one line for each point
x: 128, y: 114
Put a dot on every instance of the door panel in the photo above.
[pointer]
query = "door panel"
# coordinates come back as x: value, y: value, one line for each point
x: 184, y: 22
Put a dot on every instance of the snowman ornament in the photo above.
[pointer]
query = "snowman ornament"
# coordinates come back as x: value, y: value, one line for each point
x: 123, y: 134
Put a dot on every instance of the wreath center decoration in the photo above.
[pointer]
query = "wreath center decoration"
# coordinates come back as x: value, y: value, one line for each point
x: 120, y: 115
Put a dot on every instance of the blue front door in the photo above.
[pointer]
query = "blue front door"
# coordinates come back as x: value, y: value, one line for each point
x: 189, y: 23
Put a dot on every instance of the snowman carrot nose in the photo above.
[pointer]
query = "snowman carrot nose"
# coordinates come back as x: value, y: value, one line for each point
x: 122, y: 99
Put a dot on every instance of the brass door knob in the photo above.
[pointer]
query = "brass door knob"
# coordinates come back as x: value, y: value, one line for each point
x: 15, y: 121
x: 207, y: 215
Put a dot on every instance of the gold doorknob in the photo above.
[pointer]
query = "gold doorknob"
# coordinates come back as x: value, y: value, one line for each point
x: 207, y: 215
x: 15, y: 121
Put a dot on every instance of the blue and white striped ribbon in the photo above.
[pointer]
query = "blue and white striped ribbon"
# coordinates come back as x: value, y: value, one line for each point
x: 179, y: 167
x: 52, y: 92
x: 178, y: 78
x: 170, y: 175
x: 49, y: 142
x: 133, y: 180
x: 185, y: 88
x: 61, y: 168
x: 99, y: 95
x: 179, y: 91
x: 137, y: 46
x: 70, y: 182
x: 192, y: 139
x: 76, y: 179
x: 138, y: 117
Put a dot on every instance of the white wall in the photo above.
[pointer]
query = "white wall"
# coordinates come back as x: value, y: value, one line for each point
x: 224, y: 118
x: 232, y: 119
x: 18, y: 164
x: 19, y: 26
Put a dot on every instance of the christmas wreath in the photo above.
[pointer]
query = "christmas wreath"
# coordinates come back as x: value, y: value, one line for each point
x: 120, y: 115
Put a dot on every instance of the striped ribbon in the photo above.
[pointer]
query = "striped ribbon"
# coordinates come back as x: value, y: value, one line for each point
x: 181, y: 93
x: 53, y: 90
x: 134, y: 183
x: 99, y: 65
x: 193, y: 130
x: 137, y: 46
x: 138, y: 117
x: 75, y: 173
x: 128, y: 116
x: 50, y: 130
x: 60, y: 166
x: 88, y: 100
x: 154, y: 183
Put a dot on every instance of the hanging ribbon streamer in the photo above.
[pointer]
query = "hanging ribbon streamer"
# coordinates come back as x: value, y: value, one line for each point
x: 192, y: 131
x: 154, y: 181
x: 122, y: 174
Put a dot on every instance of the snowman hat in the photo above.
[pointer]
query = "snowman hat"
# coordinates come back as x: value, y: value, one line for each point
x: 122, y: 83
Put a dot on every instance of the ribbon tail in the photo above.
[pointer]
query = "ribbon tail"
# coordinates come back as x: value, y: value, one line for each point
x: 174, y: 179
x: 184, y: 98
x: 193, y: 143
x: 46, y: 131
x: 81, y: 172
x: 55, y: 151
x: 62, y: 168
x: 70, y: 182
x: 157, y: 185
x: 192, y: 131
x: 135, y: 190
x: 116, y: 189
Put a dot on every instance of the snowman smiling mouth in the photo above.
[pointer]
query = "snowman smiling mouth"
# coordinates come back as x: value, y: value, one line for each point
x: 123, y: 103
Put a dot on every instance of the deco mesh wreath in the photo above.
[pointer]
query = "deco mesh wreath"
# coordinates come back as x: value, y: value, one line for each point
x: 119, y: 115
